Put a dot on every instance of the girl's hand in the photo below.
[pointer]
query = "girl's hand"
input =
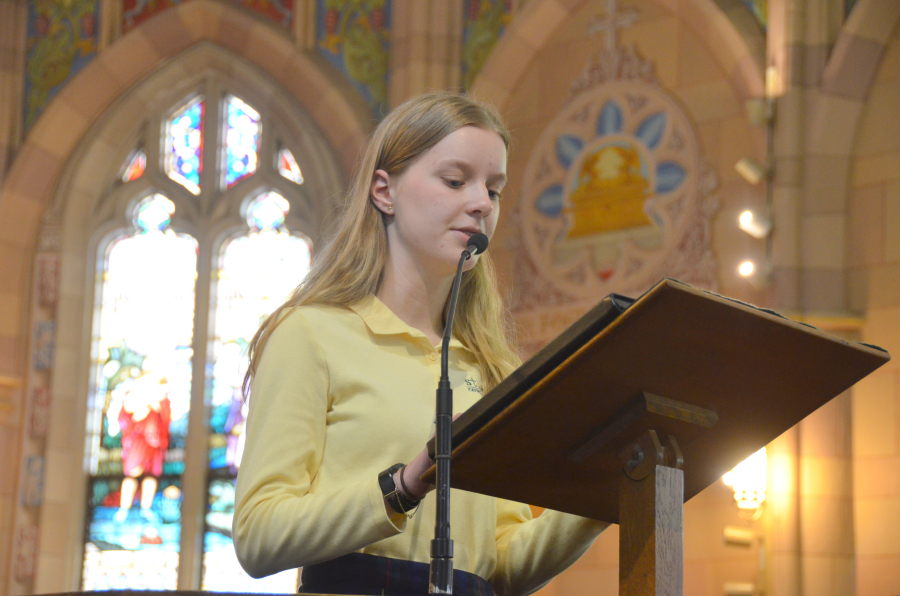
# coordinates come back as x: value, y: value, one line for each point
x: 412, y: 474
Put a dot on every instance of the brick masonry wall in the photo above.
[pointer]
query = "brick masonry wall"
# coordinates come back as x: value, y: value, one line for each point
x: 875, y: 275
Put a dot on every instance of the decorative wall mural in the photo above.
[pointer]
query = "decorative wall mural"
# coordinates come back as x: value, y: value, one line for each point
x: 484, y: 23
x: 760, y: 9
x: 354, y: 36
x: 135, y: 12
x: 39, y: 413
x: 62, y: 39
x: 26, y: 552
x: 42, y: 350
x: 617, y: 194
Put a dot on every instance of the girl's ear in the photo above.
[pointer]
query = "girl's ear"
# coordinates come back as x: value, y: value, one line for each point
x: 381, y: 193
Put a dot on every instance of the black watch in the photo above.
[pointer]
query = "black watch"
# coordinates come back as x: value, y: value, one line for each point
x: 392, y: 494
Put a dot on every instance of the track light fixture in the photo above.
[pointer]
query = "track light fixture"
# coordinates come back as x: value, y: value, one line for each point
x: 754, y: 224
x: 750, y: 170
x: 757, y: 274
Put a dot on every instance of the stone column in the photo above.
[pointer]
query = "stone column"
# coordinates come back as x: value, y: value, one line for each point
x: 785, y: 54
x: 826, y: 502
x: 13, y: 16
x: 783, y: 546
x: 426, y: 47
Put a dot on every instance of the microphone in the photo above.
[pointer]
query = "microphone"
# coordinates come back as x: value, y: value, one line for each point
x: 440, y: 577
x: 478, y: 243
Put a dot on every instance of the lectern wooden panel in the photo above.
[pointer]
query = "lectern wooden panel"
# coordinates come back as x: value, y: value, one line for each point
x: 548, y: 435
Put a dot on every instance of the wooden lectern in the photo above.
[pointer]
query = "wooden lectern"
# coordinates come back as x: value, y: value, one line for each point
x: 642, y: 404
x: 639, y: 406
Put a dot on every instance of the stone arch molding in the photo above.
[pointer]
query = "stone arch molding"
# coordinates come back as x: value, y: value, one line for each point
x: 740, y: 48
x: 37, y: 171
x: 859, y: 46
x: 848, y: 76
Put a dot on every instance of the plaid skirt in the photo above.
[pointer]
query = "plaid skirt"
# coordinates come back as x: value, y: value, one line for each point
x: 369, y: 575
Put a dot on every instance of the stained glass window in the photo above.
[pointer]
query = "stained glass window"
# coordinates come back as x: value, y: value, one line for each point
x: 136, y: 166
x: 184, y: 145
x: 257, y: 271
x: 242, y: 130
x: 143, y: 351
x: 287, y: 166
x: 140, y: 404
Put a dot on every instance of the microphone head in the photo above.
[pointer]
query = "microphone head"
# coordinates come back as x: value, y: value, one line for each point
x: 478, y: 243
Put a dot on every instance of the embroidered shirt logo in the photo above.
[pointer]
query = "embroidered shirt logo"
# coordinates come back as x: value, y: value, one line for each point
x: 474, y: 387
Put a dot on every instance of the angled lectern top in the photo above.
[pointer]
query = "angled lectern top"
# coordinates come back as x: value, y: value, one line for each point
x: 719, y: 377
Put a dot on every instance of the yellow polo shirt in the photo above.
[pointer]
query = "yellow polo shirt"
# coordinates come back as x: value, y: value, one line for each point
x: 340, y: 395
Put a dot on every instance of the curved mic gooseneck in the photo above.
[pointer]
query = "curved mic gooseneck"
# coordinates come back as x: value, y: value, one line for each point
x: 440, y: 579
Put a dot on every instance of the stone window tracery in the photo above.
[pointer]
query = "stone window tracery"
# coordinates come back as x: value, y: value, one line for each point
x: 231, y: 208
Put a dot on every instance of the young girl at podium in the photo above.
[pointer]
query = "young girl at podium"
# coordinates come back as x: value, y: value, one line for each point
x: 343, y: 379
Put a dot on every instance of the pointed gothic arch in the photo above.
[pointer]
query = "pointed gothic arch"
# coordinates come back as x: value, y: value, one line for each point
x: 59, y: 191
x: 36, y: 173
x: 740, y: 46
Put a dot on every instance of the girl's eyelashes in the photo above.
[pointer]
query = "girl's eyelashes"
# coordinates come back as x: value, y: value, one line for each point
x: 455, y: 183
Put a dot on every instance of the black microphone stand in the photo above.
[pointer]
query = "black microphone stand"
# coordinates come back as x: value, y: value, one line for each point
x: 440, y: 579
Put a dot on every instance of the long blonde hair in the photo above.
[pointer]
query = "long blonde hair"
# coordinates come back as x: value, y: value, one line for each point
x: 351, y: 266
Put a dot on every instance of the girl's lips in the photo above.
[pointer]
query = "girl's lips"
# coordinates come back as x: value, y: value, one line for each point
x: 464, y: 234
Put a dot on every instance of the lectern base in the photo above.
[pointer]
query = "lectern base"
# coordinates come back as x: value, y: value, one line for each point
x: 651, y: 547
x: 651, y: 513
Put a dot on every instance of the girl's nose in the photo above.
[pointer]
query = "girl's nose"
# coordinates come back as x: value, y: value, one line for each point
x: 482, y: 202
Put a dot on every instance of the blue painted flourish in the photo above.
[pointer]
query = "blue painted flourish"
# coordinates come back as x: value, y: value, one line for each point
x: 610, y: 119
x: 550, y: 202
x: 651, y: 130
x: 669, y: 176
x: 567, y: 149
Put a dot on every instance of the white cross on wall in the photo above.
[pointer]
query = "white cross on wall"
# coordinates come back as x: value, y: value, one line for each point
x: 612, y: 22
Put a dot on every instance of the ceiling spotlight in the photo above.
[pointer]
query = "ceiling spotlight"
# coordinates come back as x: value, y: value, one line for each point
x: 755, y: 225
x: 758, y: 274
x: 750, y: 170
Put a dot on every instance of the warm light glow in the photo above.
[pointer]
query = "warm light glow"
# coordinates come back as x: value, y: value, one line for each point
x: 749, y: 170
x: 746, y: 268
x: 773, y: 81
x: 756, y: 225
x: 748, y: 479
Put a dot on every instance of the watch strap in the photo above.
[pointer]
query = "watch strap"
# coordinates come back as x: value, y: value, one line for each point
x: 392, y: 494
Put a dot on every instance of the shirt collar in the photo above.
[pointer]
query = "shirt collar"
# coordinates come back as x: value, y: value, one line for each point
x: 381, y: 320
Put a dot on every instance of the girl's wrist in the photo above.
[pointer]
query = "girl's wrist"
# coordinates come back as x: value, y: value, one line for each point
x: 405, y: 489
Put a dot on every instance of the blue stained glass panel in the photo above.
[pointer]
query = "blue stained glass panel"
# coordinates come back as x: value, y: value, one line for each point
x: 153, y: 213
x: 184, y: 145
x: 242, y: 130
